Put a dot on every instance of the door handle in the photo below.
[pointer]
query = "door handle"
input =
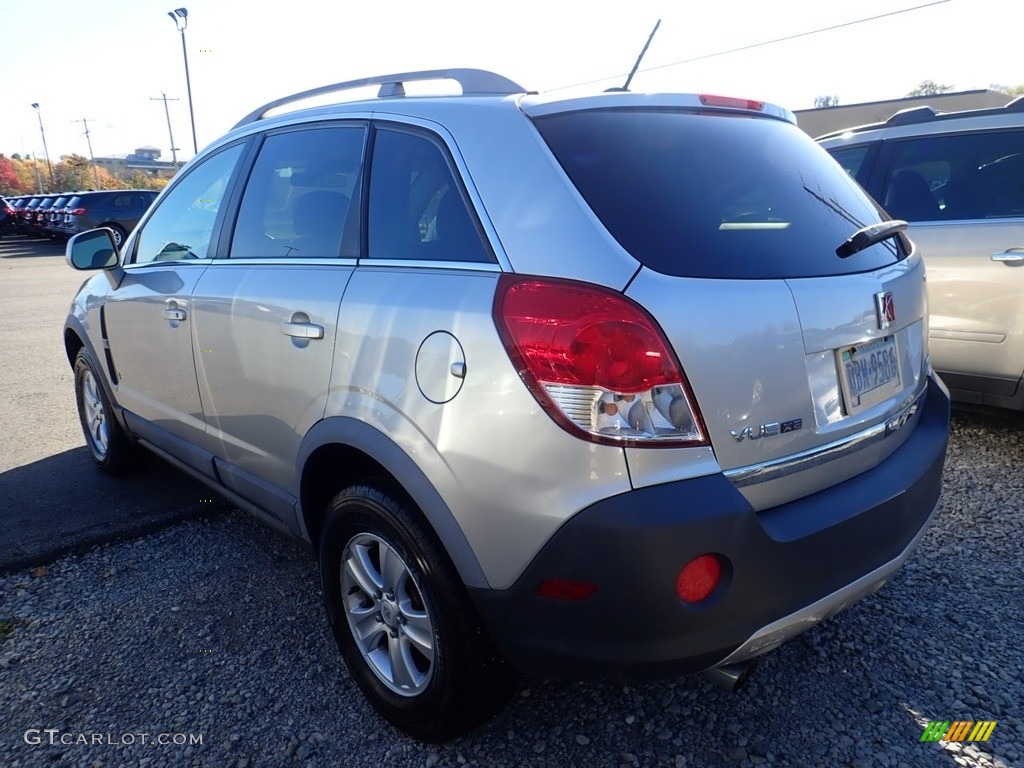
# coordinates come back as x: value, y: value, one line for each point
x: 303, y: 330
x: 1009, y: 257
x: 174, y: 313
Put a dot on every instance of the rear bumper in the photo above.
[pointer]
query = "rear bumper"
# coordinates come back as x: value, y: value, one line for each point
x: 790, y: 566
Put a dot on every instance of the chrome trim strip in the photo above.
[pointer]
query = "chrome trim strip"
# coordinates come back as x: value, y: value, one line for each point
x: 775, y: 634
x: 284, y: 261
x: 815, y: 457
x: 459, y: 266
x: 169, y: 263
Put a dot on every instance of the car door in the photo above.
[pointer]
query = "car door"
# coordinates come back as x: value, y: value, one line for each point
x: 265, y: 313
x: 149, y: 316
x: 964, y: 196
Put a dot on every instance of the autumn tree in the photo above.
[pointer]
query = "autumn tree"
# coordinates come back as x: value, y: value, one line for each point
x: 10, y: 183
x: 1009, y: 90
x: 929, y: 88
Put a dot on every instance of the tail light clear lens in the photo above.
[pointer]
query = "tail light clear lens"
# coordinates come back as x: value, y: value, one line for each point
x: 597, y: 362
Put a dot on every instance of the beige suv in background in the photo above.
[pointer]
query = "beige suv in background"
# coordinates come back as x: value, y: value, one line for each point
x: 958, y: 178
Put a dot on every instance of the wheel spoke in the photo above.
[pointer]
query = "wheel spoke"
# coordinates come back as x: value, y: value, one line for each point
x: 391, y: 568
x: 367, y: 627
x: 420, y: 633
x: 403, y: 673
x: 360, y: 568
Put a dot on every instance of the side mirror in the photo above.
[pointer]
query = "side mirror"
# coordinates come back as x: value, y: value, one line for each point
x: 94, y: 249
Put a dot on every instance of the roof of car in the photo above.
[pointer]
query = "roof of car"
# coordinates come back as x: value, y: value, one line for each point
x: 480, y: 86
x: 925, y: 116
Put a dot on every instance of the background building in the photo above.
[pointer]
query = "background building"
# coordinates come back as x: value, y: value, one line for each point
x: 144, y: 159
x: 822, y: 120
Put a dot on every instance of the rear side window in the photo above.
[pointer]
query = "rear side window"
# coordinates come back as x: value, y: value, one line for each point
x: 949, y: 178
x: 711, y: 195
x: 298, y: 200
x: 417, y: 210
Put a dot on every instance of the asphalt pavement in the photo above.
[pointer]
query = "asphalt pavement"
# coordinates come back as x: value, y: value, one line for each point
x: 52, y: 499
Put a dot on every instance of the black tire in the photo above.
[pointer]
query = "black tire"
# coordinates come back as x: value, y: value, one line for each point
x: 111, y: 449
x: 466, y: 681
x: 119, y: 234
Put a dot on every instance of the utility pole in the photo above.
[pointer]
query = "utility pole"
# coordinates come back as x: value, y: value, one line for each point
x: 95, y: 170
x: 39, y: 178
x: 42, y: 133
x: 170, y: 133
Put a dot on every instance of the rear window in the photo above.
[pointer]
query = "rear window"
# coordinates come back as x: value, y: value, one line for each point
x: 713, y: 195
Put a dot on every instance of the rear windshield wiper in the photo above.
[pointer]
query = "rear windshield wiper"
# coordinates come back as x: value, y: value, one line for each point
x: 869, y: 235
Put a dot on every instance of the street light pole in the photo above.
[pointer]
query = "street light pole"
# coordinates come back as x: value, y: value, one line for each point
x: 42, y: 133
x: 180, y: 18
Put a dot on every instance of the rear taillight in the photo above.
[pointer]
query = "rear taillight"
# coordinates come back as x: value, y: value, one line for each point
x: 597, y: 362
x: 710, y: 100
x: 77, y: 212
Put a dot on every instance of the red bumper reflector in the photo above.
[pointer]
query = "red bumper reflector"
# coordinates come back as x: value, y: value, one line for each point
x: 562, y: 589
x: 698, y: 578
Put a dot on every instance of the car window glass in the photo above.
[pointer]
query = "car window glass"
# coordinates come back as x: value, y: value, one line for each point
x: 851, y: 159
x: 417, y: 210
x: 181, y: 227
x: 715, y: 195
x: 297, y: 200
x: 966, y: 176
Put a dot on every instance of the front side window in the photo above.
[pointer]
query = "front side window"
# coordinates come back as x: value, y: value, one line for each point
x: 182, y: 227
x: 299, y: 197
x: 417, y: 209
x: 965, y: 176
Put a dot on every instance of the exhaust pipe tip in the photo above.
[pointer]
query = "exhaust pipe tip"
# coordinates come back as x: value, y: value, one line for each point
x: 730, y: 677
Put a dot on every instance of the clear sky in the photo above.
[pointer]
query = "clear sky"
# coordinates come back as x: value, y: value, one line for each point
x: 104, y: 59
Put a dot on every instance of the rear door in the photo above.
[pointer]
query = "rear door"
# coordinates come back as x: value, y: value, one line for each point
x: 266, y: 311
x: 964, y: 195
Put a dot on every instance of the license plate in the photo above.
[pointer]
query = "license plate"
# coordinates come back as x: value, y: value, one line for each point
x: 869, y: 372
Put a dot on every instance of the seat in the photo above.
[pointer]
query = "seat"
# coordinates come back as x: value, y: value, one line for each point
x: 910, y: 198
x: 319, y: 221
x: 961, y: 201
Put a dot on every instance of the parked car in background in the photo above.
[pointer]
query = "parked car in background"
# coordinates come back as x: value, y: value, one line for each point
x: 39, y: 215
x: 621, y: 384
x: 8, y: 216
x: 958, y: 178
x: 26, y: 215
x: 53, y: 220
x: 119, y: 210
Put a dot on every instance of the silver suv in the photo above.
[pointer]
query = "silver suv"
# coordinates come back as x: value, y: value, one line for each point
x: 958, y: 178
x: 619, y: 385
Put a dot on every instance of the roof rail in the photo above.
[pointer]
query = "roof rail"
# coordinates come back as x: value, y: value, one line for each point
x: 1017, y: 105
x: 475, y: 82
x: 912, y: 115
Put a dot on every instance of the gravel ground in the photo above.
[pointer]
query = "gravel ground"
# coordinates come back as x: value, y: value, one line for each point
x: 214, y: 629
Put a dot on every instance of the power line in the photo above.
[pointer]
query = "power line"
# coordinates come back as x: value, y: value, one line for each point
x: 764, y: 43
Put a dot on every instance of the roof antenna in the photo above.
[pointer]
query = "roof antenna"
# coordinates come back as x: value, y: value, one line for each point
x: 629, y: 79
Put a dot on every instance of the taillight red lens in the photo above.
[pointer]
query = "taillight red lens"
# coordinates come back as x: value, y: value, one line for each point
x: 571, y: 333
x: 596, y: 361
x: 77, y: 212
x: 698, y: 578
